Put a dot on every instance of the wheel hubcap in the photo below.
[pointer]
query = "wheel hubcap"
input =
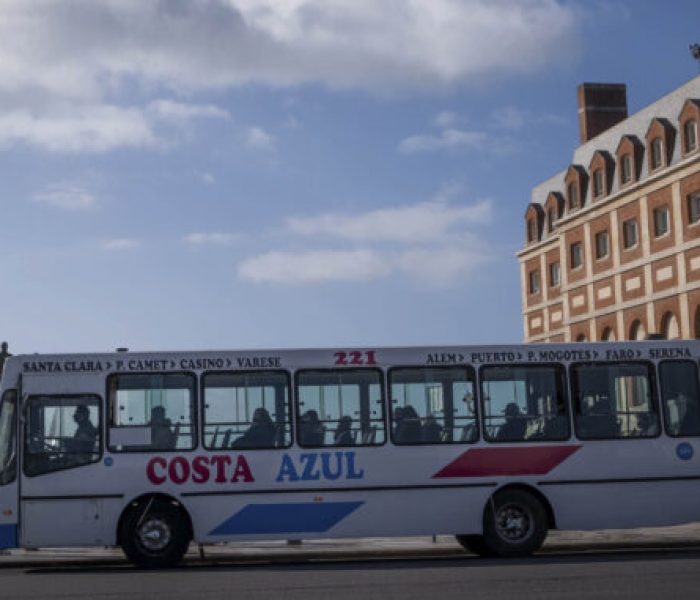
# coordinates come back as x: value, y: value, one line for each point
x: 513, y: 523
x: 154, y: 534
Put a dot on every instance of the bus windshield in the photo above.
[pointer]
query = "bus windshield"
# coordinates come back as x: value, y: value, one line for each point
x: 8, y: 462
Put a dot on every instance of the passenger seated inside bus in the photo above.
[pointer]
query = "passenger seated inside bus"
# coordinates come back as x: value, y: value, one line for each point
x: 515, y: 425
x: 311, y: 430
x: 85, y: 434
x: 162, y: 436
x: 432, y: 430
x: 260, y: 434
x: 408, y: 429
x: 343, y: 434
x: 600, y: 421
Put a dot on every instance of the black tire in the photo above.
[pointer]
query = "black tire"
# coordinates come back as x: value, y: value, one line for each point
x: 474, y: 544
x: 155, y: 535
x: 515, y: 524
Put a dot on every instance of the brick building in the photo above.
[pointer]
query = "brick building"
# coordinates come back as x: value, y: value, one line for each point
x: 613, y: 242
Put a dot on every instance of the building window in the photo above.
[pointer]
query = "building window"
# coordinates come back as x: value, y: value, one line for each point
x: 531, y: 230
x: 551, y: 217
x: 690, y: 140
x: 576, y: 255
x: 573, y: 196
x: 656, y: 153
x: 554, y: 274
x: 534, y: 282
x: 694, y: 207
x: 629, y: 233
x: 598, y: 184
x: 626, y: 169
x: 661, y: 219
x: 601, y: 245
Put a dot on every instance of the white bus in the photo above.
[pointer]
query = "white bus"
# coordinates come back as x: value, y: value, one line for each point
x: 496, y: 445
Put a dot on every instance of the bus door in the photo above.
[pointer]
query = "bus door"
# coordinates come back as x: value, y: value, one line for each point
x: 62, y: 486
x: 8, y: 470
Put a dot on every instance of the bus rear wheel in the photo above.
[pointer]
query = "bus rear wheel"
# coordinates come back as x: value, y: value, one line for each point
x: 515, y: 524
x: 154, y: 535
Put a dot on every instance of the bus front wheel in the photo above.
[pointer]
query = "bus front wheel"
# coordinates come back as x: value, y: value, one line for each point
x: 155, y: 535
x: 515, y: 524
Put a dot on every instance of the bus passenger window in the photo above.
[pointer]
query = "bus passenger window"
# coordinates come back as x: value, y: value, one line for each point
x: 614, y: 401
x: 151, y: 412
x: 681, y: 397
x: 61, y: 432
x: 524, y: 403
x: 432, y: 405
x: 340, y: 408
x: 246, y: 410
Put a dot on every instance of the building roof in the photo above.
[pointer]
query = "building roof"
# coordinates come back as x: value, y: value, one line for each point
x: 668, y: 107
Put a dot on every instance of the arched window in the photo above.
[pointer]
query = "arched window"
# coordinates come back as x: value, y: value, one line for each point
x: 690, y: 140
x: 608, y: 335
x: 637, y: 331
x: 581, y: 337
x: 669, y: 327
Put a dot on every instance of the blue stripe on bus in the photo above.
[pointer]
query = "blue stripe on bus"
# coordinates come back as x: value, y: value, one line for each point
x: 306, y: 517
x: 8, y: 536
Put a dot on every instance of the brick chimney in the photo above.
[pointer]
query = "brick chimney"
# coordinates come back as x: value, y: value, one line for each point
x: 600, y: 106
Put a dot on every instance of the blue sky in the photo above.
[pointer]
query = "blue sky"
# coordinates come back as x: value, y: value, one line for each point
x: 293, y: 173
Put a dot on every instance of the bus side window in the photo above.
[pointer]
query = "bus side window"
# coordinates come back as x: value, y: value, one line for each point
x: 614, y: 400
x: 62, y: 432
x: 432, y: 405
x: 340, y: 407
x: 681, y: 397
x: 524, y: 403
x: 151, y: 412
x: 246, y: 410
x: 8, y: 437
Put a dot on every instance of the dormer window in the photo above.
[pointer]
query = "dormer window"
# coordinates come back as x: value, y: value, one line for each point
x: 598, y: 185
x: 690, y: 138
x: 531, y: 231
x: 551, y: 217
x: 573, y: 196
x: 657, y: 153
x: 625, y: 169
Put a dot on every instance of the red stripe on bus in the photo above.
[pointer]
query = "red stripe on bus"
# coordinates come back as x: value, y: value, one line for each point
x: 489, y: 462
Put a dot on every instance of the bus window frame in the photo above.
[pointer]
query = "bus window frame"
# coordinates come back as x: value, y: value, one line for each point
x: 297, y: 413
x: 290, y: 407
x: 26, y: 437
x: 477, y: 408
x: 16, y: 426
x: 661, y: 399
x: 193, y: 410
x: 565, y: 389
x: 653, y: 386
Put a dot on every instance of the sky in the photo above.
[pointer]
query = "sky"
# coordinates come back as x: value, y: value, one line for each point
x: 225, y: 174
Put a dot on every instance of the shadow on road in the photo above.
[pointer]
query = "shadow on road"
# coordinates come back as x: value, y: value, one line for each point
x: 382, y: 563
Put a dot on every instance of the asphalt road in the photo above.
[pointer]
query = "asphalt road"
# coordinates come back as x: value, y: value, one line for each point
x: 618, y: 575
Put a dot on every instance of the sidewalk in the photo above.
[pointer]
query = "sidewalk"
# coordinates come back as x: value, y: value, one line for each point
x: 682, y: 536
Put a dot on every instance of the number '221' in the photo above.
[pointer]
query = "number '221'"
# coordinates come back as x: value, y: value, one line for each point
x: 355, y: 358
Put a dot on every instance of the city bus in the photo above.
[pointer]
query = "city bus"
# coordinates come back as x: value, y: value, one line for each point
x: 152, y: 451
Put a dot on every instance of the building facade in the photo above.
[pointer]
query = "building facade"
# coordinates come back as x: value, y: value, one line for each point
x: 612, y: 246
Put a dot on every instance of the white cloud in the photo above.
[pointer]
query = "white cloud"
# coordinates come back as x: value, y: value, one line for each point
x: 421, y: 222
x: 82, y: 129
x: 430, y: 242
x: 207, y: 178
x: 450, y: 139
x: 75, y: 50
x: 317, y: 266
x: 445, y: 119
x: 66, y: 196
x: 212, y: 238
x: 513, y: 118
x: 121, y: 244
x: 256, y: 137
x: 177, y: 111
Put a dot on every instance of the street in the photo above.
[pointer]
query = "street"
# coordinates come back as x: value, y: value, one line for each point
x: 635, y: 574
